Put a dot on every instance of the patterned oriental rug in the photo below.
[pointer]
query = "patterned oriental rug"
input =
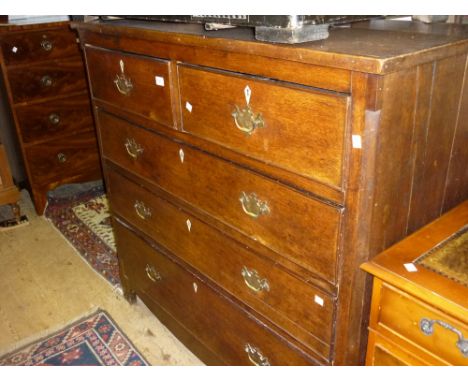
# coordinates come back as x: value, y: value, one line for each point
x: 91, y: 341
x: 83, y: 218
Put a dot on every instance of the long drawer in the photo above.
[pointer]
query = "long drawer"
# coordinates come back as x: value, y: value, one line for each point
x: 274, y: 215
x: 305, y: 311
x: 49, y: 79
x: 47, y: 120
x: 223, y: 327
x: 135, y: 83
x: 63, y: 157
x: 422, y: 324
x: 293, y: 128
x: 29, y: 47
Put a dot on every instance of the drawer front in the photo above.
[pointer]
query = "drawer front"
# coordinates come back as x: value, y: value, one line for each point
x: 277, y: 217
x: 137, y: 84
x: 54, y: 118
x: 217, y: 322
x: 249, y: 277
x: 21, y: 48
x: 63, y: 157
x: 295, y: 129
x: 47, y: 80
x: 403, y: 314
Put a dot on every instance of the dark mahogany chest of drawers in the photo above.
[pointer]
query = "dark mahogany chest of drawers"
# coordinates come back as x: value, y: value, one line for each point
x: 248, y: 181
x: 45, y: 79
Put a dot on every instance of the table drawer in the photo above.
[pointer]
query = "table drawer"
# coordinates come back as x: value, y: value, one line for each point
x: 306, y: 311
x: 48, y: 79
x: 293, y: 128
x: 19, y: 48
x: 274, y: 215
x: 50, y: 119
x: 135, y: 83
x: 63, y: 157
x: 217, y: 322
x: 411, y: 319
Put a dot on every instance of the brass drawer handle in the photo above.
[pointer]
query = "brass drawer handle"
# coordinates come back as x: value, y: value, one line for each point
x: 141, y: 210
x: 124, y: 84
x: 253, y: 280
x: 253, y: 206
x: 46, y: 45
x: 246, y: 120
x: 133, y: 148
x: 427, y: 327
x: 255, y: 356
x: 62, y: 158
x: 152, y: 273
x: 54, y: 119
x: 46, y: 81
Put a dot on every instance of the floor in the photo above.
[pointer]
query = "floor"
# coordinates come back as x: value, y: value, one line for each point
x: 45, y: 284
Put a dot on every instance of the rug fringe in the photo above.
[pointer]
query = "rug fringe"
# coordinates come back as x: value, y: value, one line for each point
x: 46, y: 333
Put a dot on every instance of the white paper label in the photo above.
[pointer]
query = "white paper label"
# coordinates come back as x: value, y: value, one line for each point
x: 247, y: 93
x: 410, y: 267
x: 181, y: 155
x: 159, y: 80
x: 318, y: 300
x: 189, y: 224
x: 357, y: 143
x: 188, y: 106
x: 14, y: 49
x: 195, y: 287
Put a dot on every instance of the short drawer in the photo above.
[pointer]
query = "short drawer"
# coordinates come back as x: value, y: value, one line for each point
x: 238, y: 338
x: 49, y: 79
x: 280, y: 218
x: 293, y: 128
x: 135, y: 83
x: 301, y: 309
x: 51, y: 119
x: 422, y: 324
x: 63, y: 157
x: 19, y: 48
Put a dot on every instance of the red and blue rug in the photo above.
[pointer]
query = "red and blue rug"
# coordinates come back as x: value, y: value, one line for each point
x: 84, y: 219
x: 92, y: 341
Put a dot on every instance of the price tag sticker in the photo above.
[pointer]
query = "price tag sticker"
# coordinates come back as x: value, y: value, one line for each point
x: 159, y: 80
x: 410, y: 267
x: 188, y: 106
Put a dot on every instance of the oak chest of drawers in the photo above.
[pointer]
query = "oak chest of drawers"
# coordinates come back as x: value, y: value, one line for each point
x: 45, y: 79
x: 419, y: 312
x: 248, y: 181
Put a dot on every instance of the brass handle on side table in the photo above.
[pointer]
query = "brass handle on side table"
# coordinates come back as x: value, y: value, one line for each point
x: 152, y: 273
x: 54, y: 119
x: 255, y: 356
x: 141, y: 210
x: 253, y: 280
x: 427, y: 327
x: 123, y: 84
x: 253, y: 206
x: 246, y: 120
x: 46, y: 81
x: 133, y: 148
x: 62, y: 158
x: 46, y: 45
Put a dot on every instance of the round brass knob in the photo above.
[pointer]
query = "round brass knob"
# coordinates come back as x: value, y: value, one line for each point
x: 46, y: 45
x: 54, y: 119
x: 46, y: 81
x: 62, y: 158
